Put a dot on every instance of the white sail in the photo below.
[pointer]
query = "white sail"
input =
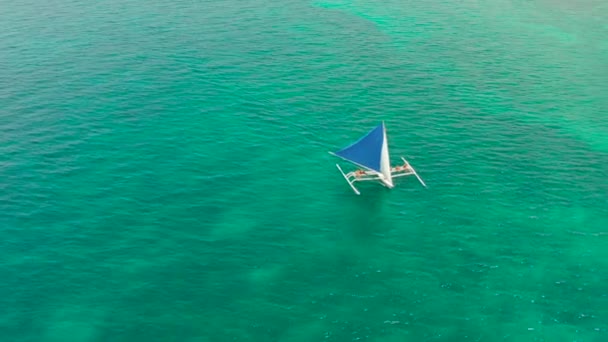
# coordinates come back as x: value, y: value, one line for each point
x: 385, y: 161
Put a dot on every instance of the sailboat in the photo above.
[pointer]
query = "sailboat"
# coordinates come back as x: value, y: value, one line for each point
x: 371, y: 154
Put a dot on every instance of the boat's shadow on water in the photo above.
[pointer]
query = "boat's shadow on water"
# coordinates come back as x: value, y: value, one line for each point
x: 366, y: 212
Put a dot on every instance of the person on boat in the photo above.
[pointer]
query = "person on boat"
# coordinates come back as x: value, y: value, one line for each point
x: 405, y: 167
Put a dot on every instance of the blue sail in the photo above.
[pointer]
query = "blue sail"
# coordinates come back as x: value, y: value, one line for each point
x: 367, y: 151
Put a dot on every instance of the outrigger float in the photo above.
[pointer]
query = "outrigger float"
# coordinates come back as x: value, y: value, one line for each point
x: 371, y: 153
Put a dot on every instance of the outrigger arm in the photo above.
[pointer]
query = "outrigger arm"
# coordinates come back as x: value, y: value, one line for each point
x: 408, y: 170
x: 347, y: 177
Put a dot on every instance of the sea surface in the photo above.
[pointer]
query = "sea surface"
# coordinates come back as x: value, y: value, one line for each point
x: 164, y: 173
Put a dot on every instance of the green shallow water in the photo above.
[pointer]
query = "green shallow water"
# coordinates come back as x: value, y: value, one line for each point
x: 165, y: 176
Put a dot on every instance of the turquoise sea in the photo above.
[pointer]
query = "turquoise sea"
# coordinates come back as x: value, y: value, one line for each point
x: 164, y: 173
